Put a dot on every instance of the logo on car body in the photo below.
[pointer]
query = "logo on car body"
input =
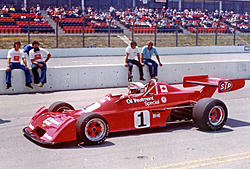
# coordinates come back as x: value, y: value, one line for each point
x: 225, y: 85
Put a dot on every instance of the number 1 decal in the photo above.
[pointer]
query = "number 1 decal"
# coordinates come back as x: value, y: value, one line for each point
x: 142, y: 119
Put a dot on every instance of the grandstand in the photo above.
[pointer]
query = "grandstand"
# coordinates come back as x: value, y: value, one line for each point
x: 124, y: 22
x: 238, y: 6
x: 139, y: 20
x: 12, y: 21
x: 71, y: 21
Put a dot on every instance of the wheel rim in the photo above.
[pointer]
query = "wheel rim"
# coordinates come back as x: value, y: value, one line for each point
x: 95, y: 129
x: 216, y: 115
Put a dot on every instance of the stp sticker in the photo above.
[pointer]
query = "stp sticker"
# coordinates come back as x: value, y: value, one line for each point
x: 225, y: 85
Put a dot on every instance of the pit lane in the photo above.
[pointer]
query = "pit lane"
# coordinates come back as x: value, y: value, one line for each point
x: 176, y: 146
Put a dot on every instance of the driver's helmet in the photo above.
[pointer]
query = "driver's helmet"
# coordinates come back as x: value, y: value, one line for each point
x: 136, y: 87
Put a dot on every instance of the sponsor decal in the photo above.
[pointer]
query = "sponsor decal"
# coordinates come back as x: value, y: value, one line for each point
x: 130, y: 101
x: 157, y: 115
x: 50, y: 120
x: 152, y: 103
x: 47, y: 136
x: 163, y: 88
x: 147, y: 101
x: 163, y: 99
x: 225, y: 85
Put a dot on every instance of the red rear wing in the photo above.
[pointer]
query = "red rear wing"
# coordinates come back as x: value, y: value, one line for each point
x: 223, y: 84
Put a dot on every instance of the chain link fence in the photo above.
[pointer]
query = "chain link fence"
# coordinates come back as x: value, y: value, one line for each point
x: 109, y: 37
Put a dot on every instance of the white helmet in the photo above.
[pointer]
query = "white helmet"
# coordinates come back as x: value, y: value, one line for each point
x: 136, y: 87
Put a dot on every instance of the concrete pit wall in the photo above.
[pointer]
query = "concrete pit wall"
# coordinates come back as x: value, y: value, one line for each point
x: 82, y: 52
x: 102, y: 76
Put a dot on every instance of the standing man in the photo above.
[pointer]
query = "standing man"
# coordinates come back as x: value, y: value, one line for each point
x: 131, y: 53
x: 15, y: 56
x: 37, y: 56
x: 146, y: 55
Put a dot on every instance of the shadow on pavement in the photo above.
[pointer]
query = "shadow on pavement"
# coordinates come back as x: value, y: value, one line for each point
x: 236, y: 123
x: 4, y: 121
x: 170, y: 127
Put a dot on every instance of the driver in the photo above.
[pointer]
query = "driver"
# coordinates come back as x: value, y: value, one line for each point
x: 136, y: 88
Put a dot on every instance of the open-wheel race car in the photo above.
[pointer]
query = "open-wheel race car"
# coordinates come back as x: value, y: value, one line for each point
x: 144, y: 106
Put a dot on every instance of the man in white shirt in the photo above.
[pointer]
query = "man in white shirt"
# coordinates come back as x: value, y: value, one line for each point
x: 37, y: 56
x: 131, y: 53
x: 15, y: 56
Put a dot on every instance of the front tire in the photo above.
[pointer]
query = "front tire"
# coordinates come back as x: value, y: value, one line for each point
x: 60, y: 107
x: 91, y: 128
x: 210, y: 114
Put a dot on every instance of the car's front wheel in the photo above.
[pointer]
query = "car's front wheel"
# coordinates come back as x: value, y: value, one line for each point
x: 60, y: 107
x: 91, y: 128
x: 210, y: 114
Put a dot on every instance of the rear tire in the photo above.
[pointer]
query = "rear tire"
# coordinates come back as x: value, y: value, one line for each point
x: 210, y: 114
x: 60, y: 107
x: 91, y: 128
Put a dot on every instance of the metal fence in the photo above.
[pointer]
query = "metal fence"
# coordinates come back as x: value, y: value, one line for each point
x: 110, y: 38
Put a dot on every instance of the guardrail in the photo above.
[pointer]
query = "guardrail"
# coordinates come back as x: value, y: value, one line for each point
x: 102, y: 76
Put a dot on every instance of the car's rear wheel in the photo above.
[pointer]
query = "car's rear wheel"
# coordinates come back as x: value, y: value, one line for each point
x: 210, y: 114
x: 91, y: 128
x: 60, y: 107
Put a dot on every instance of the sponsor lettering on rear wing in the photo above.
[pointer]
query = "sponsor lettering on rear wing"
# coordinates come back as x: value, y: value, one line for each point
x: 223, y: 84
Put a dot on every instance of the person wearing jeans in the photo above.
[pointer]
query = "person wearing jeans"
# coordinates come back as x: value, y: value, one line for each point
x: 37, y: 56
x: 146, y: 55
x: 132, y: 53
x: 15, y: 56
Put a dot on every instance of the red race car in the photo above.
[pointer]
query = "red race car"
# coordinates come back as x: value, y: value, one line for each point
x: 145, y: 106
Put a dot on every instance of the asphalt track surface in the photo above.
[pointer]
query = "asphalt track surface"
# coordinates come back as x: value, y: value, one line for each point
x: 73, y: 61
x: 181, y: 145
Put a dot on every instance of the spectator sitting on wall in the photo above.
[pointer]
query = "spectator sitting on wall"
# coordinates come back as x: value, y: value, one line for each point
x: 37, y: 56
x: 15, y: 56
x: 146, y: 55
x: 132, y: 53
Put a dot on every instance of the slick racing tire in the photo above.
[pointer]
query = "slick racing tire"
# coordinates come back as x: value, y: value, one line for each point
x: 60, y: 107
x: 210, y: 114
x: 91, y: 128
